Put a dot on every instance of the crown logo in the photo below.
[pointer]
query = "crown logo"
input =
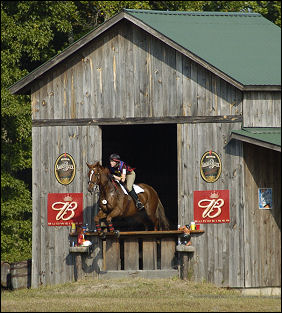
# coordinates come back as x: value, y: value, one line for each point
x: 68, y: 198
x: 214, y: 195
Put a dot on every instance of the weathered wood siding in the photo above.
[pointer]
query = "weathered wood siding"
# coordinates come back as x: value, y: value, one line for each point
x: 262, y: 231
x: 219, y: 256
x: 262, y: 109
x: 51, y: 261
x: 129, y: 73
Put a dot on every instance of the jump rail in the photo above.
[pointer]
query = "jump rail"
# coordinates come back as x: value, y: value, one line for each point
x: 139, y: 250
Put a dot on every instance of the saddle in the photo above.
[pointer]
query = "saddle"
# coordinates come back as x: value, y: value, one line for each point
x: 136, y: 188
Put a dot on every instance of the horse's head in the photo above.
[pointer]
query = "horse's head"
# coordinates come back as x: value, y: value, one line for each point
x: 94, y: 176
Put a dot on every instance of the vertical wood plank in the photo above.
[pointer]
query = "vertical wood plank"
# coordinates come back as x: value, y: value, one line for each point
x: 137, y: 73
x: 131, y: 254
x: 157, y: 79
x: 167, y: 253
x: 186, y: 87
x: 112, y: 254
x: 36, y: 205
x: 45, y: 187
x: 178, y: 102
x: 149, y: 247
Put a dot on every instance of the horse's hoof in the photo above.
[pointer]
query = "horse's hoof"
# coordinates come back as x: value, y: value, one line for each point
x: 116, y: 233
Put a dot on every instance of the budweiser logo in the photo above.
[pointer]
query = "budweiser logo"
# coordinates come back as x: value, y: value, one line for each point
x: 66, y: 209
x: 212, y: 206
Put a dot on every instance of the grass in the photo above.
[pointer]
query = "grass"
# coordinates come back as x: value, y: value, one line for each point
x: 135, y: 295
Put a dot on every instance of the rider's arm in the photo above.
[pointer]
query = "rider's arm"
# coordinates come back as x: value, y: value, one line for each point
x: 122, y: 177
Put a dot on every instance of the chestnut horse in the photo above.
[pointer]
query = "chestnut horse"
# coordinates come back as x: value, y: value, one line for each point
x: 113, y: 202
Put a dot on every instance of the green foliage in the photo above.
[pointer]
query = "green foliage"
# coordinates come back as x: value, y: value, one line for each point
x: 15, y: 219
x: 32, y: 32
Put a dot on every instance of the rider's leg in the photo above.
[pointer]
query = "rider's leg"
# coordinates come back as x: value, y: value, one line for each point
x: 130, y: 178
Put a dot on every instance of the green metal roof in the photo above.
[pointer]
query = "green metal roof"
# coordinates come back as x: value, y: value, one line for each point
x: 245, y: 46
x: 268, y: 135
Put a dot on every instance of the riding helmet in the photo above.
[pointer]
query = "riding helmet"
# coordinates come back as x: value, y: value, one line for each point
x: 115, y: 157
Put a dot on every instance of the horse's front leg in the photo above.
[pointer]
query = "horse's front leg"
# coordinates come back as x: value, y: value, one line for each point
x: 114, y: 213
x: 97, y: 219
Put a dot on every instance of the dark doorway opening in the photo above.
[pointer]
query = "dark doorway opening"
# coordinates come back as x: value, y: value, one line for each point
x: 152, y: 150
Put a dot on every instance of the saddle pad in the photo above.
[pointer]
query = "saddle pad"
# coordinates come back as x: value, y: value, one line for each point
x: 136, y: 188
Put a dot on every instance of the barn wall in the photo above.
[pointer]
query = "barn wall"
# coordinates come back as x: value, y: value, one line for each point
x: 126, y: 72
x: 219, y: 254
x: 262, y: 109
x: 262, y: 231
x: 51, y: 261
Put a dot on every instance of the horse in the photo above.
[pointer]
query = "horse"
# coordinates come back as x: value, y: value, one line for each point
x: 113, y: 202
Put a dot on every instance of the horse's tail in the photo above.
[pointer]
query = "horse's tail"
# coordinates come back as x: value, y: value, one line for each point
x: 162, y: 220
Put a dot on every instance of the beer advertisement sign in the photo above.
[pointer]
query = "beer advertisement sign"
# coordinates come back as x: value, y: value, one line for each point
x: 210, y: 166
x: 65, y: 169
x: 65, y: 209
x: 211, y: 206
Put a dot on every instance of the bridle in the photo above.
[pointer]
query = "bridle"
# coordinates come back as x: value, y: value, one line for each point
x: 96, y: 186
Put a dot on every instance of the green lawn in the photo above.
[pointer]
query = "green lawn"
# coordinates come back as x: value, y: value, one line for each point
x: 135, y: 295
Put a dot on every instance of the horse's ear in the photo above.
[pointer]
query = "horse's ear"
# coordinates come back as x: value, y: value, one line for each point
x: 97, y: 164
x: 89, y: 165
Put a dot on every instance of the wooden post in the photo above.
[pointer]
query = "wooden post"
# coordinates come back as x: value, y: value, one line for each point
x: 185, y: 255
x: 78, y: 267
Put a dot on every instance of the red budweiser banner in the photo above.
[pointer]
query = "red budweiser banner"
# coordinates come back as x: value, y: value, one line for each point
x: 211, y: 206
x: 65, y: 209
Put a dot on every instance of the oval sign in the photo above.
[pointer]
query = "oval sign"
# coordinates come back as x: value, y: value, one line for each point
x: 210, y: 166
x: 65, y: 169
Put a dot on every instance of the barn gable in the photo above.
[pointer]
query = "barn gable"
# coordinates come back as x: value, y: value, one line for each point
x: 123, y: 74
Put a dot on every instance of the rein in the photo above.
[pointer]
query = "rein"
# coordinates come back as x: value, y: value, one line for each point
x: 102, y: 186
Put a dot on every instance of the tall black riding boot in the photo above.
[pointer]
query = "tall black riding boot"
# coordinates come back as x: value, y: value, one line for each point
x: 138, y: 203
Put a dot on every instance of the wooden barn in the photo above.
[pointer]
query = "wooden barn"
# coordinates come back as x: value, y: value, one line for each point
x: 193, y: 101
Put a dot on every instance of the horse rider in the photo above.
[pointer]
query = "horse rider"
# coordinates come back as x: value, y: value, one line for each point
x: 124, y: 173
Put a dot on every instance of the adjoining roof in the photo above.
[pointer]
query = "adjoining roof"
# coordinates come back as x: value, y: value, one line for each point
x: 242, y: 48
x: 268, y: 137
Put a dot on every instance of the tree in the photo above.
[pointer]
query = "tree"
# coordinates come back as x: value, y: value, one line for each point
x: 31, y: 33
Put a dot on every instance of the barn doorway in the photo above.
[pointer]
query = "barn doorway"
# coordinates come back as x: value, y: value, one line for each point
x: 152, y: 150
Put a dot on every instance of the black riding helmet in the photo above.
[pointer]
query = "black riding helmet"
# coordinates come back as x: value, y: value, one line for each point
x: 115, y: 157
